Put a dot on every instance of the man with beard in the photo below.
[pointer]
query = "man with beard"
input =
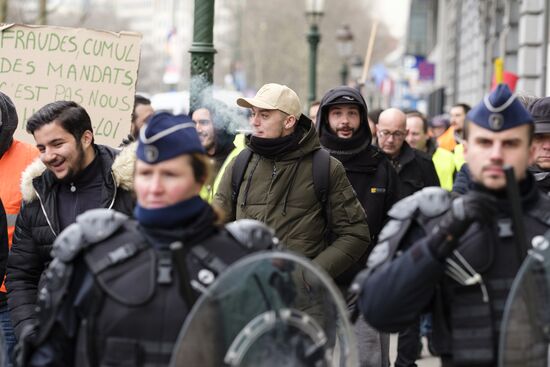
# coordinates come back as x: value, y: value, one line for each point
x: 277, y: 185
x: 540, y: 110
x: 72, y: 175
x: 344, y: 131
x: 458, y: 257
x: 212, y: 123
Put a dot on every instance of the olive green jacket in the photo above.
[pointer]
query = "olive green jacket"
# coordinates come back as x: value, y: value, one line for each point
x: 280, y: 193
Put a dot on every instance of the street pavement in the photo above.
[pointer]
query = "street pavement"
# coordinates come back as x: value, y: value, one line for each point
x: 426, y: 361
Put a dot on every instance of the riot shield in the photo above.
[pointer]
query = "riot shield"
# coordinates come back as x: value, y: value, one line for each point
x: 268, y: 309
x: 525, y: 330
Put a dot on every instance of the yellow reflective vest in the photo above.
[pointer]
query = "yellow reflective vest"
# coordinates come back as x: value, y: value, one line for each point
x: 208, y: 191
x: 444, y: 162
x: 459, y: 156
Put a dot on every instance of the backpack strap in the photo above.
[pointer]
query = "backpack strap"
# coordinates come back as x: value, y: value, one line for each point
x: 237, y: 174
x: 321, y: 184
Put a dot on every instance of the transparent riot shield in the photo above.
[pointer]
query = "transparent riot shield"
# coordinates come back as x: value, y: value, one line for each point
x: 525, y: 331
x: 268, y: 309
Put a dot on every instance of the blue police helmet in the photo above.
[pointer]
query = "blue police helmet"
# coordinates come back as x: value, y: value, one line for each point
x: 500, y: 110
x: 166, y: 136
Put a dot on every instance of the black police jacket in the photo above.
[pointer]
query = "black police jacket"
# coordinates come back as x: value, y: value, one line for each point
x: 126, y: 297
x: 467, y: 310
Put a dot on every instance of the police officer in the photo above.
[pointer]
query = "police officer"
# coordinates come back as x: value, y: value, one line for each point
x: 119, y: 290
x: 457, y: 258
x: 540, y: 110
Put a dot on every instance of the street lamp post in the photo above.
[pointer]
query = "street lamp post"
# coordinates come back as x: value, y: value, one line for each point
x: 356, y: 69
x: 344, y: 43
x: 314, y: 12
x: 202, y: 51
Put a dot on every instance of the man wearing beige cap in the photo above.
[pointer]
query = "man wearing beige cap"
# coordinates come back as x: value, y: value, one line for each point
x: 277, y: 186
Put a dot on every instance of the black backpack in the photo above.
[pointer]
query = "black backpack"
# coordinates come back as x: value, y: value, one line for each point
x: 321, y: 174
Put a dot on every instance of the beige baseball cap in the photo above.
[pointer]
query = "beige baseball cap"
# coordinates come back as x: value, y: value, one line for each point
x: 274, y: 96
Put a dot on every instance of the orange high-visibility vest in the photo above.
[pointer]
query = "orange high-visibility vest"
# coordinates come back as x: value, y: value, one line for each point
x: 447, y: 139
x: 12, y: 164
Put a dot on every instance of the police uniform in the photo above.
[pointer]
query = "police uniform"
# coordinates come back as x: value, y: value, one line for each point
x: 467, y: 287
x: 118, y: 289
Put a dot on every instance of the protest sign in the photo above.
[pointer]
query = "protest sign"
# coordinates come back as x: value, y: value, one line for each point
x: 96, y: 69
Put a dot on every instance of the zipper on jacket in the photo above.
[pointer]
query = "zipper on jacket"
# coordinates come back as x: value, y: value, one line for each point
x: 44, y: 212
x: 274, y: 171
x: 268, y: 192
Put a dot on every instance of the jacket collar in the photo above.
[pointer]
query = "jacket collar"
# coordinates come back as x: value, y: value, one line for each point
x: 36, y: 180
x: 406, y: 155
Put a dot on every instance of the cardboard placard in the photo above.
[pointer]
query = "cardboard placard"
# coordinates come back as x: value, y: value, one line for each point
x: 96, y: 69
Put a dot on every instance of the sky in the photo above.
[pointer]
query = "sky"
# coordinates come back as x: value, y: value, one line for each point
x: 394, y: 13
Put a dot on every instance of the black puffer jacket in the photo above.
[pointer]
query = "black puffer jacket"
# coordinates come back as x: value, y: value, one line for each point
x: 37, y: 226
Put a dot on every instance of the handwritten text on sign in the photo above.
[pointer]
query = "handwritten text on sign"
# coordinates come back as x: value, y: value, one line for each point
x: 42, y: 64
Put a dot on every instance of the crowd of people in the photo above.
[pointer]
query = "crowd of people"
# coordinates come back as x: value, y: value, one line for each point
x: 105, y: 250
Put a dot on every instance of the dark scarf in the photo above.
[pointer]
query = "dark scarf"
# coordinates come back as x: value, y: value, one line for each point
x: 176, y: 215
x: 274, y: 147
x: 192, y: 231
x: 344, y: 149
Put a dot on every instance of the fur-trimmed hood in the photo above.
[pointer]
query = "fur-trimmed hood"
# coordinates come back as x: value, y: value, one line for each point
x: 122, y: 168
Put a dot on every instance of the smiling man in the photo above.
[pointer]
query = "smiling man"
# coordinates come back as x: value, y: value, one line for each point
x: 458, y: 257
x: 72, y: 175
x: 212, y: 121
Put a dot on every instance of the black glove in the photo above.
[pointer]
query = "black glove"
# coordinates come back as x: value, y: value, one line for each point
x: 465, y: 210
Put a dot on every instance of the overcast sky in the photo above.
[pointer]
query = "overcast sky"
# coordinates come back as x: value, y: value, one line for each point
x: 394, y: 13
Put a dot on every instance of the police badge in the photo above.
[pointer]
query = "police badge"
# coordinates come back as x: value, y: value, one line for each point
x: 151, y: 153
x: 496, y: 121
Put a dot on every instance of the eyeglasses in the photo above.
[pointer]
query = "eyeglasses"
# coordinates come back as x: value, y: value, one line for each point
x: 396, y: 134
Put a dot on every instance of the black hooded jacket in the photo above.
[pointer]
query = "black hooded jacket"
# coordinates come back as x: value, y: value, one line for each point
x: 370, y: 172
